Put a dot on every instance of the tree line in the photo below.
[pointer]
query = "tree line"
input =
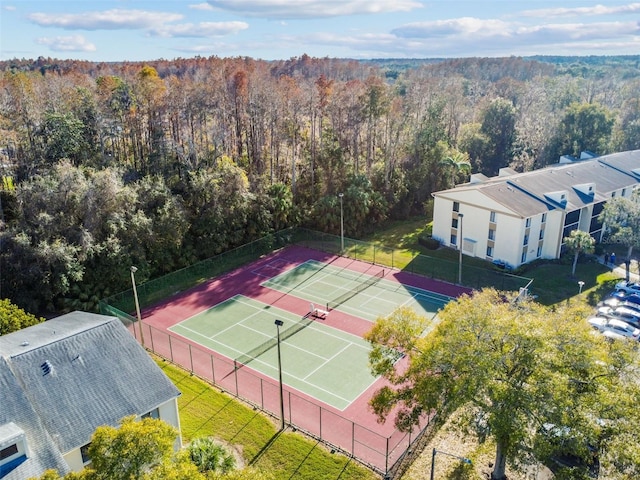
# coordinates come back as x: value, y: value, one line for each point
x: 164, y: 163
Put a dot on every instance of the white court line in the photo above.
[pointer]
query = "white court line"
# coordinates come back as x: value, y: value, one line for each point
x: 328, y: 360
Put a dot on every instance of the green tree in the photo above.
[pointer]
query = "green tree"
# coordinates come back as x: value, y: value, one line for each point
x: 132, y: 449
x: 620, y: 218
x: 457, y: 163
x: 511, y: 367
x: 584, y: 127
x: 579, y: 242
x: 13, y: 318
x: 498, y: 127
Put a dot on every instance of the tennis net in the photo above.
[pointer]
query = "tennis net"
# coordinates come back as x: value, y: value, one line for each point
x: 356, y: 290
x: 255, y: 352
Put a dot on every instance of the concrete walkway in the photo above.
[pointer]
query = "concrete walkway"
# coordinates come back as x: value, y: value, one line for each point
x: 619, y: 269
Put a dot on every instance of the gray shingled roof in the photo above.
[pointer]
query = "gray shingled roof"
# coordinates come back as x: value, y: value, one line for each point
x: 527, y: 194
x: 80, y: 371
x: 15, y: 407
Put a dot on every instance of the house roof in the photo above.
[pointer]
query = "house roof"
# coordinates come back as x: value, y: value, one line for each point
x: 77, y: 372
x: 17, y: 410
x: 566, y: 186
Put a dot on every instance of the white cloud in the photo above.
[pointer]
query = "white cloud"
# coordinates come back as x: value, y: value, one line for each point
x: 9, y: 8
x: 286, y: 9
x: 73, y: 43
x: 456, y: 26
x: 106, y: 20
x: 201, y: 6
x: 202, y: 29
x: 582, y: 11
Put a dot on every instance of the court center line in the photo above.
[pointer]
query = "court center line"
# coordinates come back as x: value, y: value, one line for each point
x: 327, y: 361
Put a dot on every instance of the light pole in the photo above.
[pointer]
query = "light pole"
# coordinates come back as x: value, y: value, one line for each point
x: 279, y: 323
x: 341, y: 195
x: 580, y: 285
x: 433, y: 459
x: 135, y: 296
x: 460, y: 217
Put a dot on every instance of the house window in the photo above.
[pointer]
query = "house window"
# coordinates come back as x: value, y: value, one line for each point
x: 526, y: 239
x: 544, y: 217
x: 527, y: 222
x: 492, y: 234
x: 456, y: 206
x: 155, y: 413
x: 454, y: 223
x: 613, y: 194
x: 624, y: 192
x: 84, y: 451
x: 454, y: 239
x: 490, y: 252
x: 523, y: 259
x: 9, y: 451
x: 541, y: 236
x: 539, y: 252
x: 492, y: 217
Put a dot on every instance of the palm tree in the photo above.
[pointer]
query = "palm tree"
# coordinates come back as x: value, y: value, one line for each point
x: 579, y: 242
x: 456, y: 162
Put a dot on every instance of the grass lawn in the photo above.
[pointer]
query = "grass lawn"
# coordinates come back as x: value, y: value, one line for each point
x: 552, y: 282
x: 207, y: 412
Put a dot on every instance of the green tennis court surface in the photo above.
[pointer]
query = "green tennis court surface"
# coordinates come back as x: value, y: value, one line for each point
x: 321, y: 361
x: 364, y: 295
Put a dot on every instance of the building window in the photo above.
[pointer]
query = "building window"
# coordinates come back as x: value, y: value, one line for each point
x: 84, y: 451
x: 526, y: 239
x: 456, y: 206
x: 492, y: 217
x: 454, y: 239
x: 492, y: 234
x: 155, y: 413
x: 624, y: 192
x: 541, y: 236
x: 544, y: 217
x: 490, y: 252
x: 454, y: 223
x: 539, y: 252
x: 613, y: 194
x: 527, y: 222
x: 9, y: 451
x: 523, y: 259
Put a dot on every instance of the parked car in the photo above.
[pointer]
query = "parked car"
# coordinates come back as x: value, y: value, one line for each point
x: 614, y: 301
x: 613, y: 325
x: 628, y: 287
x: 627, y: 297
x: 569, y: 452
x: 629, y: 315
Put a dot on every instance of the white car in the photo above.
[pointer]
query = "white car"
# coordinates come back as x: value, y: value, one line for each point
x: 628, y: 287
x: 614, y: 326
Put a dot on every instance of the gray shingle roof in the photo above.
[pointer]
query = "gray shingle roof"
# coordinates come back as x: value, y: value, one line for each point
x: 531, y: 193
x: 15, y: 407
x: 80, y: 371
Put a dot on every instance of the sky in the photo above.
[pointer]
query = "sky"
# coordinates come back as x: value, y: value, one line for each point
x: 138, y: 30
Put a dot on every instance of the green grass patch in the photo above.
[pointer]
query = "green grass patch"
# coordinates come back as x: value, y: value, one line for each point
x: 208, y: 412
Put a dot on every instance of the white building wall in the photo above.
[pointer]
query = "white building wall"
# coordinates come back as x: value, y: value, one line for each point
x: 74, y: 460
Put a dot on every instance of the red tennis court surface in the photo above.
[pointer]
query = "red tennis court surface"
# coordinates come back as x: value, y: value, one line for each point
x: 354, y: 430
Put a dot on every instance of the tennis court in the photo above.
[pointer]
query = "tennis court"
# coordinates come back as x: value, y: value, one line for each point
x: 367, y: 295
x: 321, y: 361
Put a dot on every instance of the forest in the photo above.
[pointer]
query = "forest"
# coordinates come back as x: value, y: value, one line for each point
x: 164, y: 163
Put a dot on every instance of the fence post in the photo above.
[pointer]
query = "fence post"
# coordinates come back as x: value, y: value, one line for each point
x: 151, y: 337
x: 386, y: 459
x: 170, y: 349
x: 235, y: 375
x: 261, y: 395
x: 191, y: 358
x: 320, y: 422
x: 353, y: 438
x: 213, y: 370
